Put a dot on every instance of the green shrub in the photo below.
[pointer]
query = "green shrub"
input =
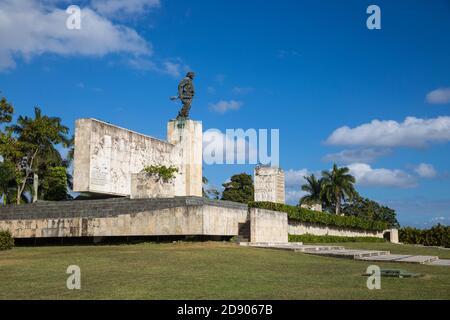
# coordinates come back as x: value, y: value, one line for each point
x: 310, y: 216
x: 6, y: 240
x: 161, y: 172
x: 438, y: 235
x: 310, y: 238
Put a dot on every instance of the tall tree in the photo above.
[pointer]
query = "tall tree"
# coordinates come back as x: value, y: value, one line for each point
x: 6, y: 111
x: 209, y: 191
x: 7, y: 182
x: 338, y: 185
x: 314, y: 188
x: 37, y: 138
x: 7, y: 168
x: 369, y: 209
x: 239, y: 189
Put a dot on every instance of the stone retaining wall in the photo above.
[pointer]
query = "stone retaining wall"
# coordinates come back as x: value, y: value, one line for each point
x: 299, y: 228
x: 124, y: 217
x: 268, y: 226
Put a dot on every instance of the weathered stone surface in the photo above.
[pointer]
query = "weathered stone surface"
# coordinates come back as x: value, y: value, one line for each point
x: 352, y: 254
x: 314, y: 207
x: 392, y: 235
x: 299, y: 228
x: 187, y: 136
x: 144, y: 185
x: 441, y: 262
x: 123, y: 217
x: 268, y: 226
x: 269, y: 184
x: 107, y: 155
x: 402, y: 258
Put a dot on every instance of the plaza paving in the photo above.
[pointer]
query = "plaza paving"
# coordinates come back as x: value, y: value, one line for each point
x: 341, y: 252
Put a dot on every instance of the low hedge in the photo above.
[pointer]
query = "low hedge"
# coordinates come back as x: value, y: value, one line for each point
x: 310, y: 216
x: 438, y: 235
x: 6, y: 240
x: 310, y: 238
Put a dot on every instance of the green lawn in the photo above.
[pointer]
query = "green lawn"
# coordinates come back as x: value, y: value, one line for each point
x: 208, y: 270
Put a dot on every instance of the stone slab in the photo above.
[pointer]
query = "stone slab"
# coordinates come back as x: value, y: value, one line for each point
x: 440, y: 262
x: 403, y: 258
x: 390, y: 257
x: 269, y: 184
x: 268, y: 226
x: 362, y: 255
x: 106, y: 155
x: 352, y: 254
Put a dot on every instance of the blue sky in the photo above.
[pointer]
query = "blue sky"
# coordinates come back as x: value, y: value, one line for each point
x: 375, y: 100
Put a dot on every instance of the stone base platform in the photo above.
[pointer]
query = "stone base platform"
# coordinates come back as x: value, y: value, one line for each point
x: 119, y: 217
x: 361, y: 255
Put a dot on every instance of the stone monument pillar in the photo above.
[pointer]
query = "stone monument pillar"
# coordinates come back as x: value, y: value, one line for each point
x: 269, y: 184
x: 187, y: 136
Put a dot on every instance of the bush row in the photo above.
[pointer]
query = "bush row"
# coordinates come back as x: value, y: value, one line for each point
x: 310, y: 238
x: 306, y: 215
x: 438, y: 235
x: 6, y: 240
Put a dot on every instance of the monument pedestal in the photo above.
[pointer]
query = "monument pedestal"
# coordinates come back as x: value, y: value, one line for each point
x: 187, y: 136
x: 269, y: 184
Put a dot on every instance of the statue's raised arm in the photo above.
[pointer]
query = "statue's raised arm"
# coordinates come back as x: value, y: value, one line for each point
x: 186, y: 93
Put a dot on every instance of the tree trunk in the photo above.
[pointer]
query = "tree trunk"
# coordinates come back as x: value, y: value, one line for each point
x: 338, y: 205
x: 35, y: 187
x: 19, y: 193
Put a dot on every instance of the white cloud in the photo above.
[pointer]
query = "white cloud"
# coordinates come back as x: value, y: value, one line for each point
x: 412, y: 132
x: 28, y: 29
x: 216, y: 141
x: 282, y: 54
x: 295, y: 178
x: 293, y: 196
x: 224, y: 106
x: 174, y: 68
x: 367, y: 176
x: 357, y: 155
x: 220, y: 78
x: 119, y: 8
x: 439, y: 96
x: 242, y: 90
x: 425, y: 170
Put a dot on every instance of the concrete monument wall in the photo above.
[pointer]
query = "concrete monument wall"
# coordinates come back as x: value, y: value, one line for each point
x: 268, y: 226
x: 123, y: 217
x: 144, y: 186
x: 187, y: 136
x: 392, y: 235
x: 269, y: 184
x: 299, y: 228
x: 106, y: 156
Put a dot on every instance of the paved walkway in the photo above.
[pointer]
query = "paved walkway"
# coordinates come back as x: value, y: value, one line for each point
x: 341, y: 252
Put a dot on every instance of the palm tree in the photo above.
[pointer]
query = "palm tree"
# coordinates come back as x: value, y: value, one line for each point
x: 38, y: 137
x: 314, y: 188
x: 338, y: 185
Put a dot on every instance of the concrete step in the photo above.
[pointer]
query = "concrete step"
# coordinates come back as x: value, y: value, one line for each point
x: 402, y: 258
x: 276, y: 245
x: 341, y: 252
x: 350, y: 254
x: 440, y: 262
x: 312, y: 248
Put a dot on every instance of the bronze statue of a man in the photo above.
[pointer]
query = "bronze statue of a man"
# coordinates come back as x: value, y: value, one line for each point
x: 186, y: 93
